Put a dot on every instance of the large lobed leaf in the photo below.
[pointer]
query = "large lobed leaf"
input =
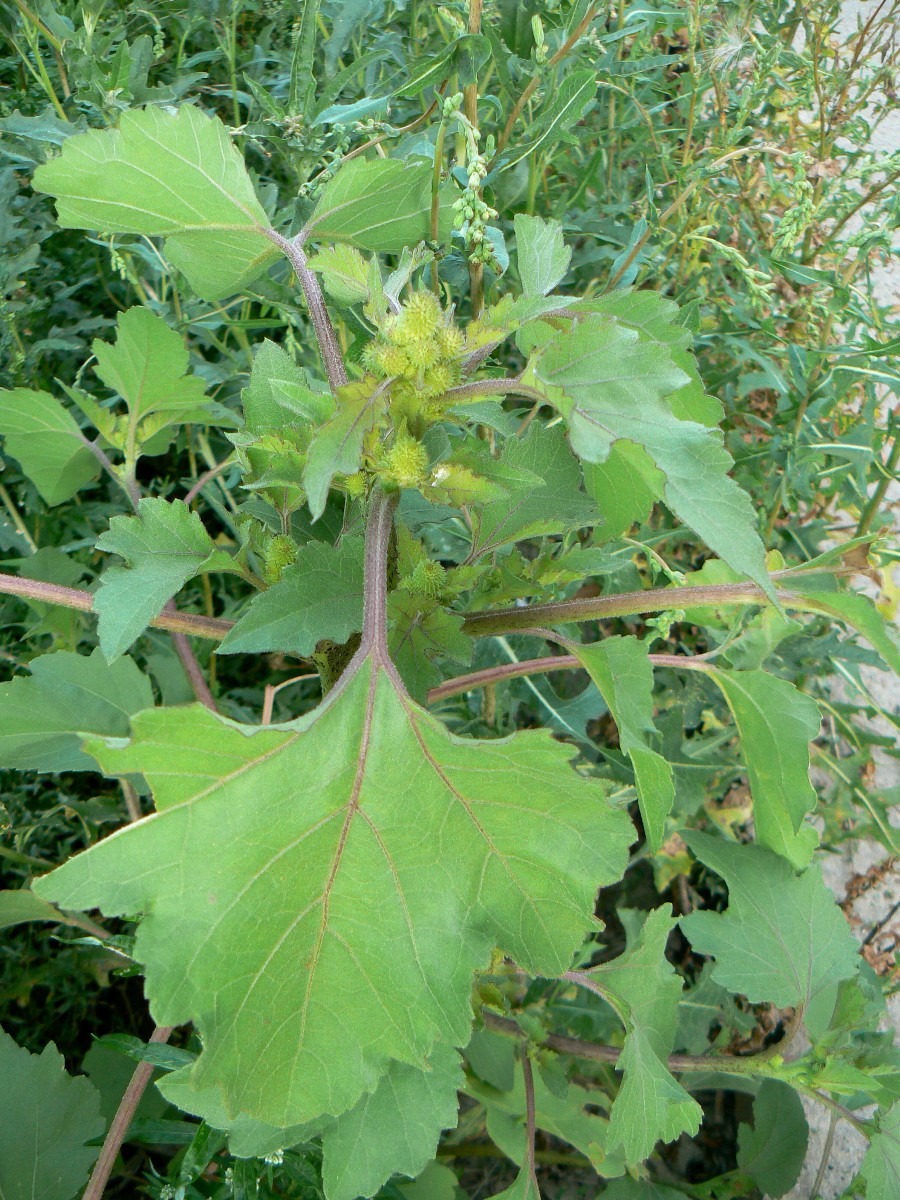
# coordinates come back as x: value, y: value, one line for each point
x: 349, y: 873
x: 380, y: 205
x: 611, y: 384
x: 178, y: 177
x: 782, y: 939
x: 43, y: 719
x: 46, y: 1117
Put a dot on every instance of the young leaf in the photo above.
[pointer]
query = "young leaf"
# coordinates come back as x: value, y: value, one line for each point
x: 613, y: 386
x: 147, y: 366
x: 319, y: 596
x: 164, y: 546
x: 336, y: 447
x: 881, y: 1166
x: 542, y: 254
x: 620, y: 668
x: 421, y: 632
x: 345, y: 273
x: 43, y: 719
x: 776, y: 724
x: 574, y: 94
x: 380, y: 205
x: 529, y: 511
x: 177, y: 177
x: 278, y: 394
x: 362, y: 852
x: 46, y: 1117
x: 772, y: 1151
x: 782, y: 939
x: 47, y: 443
x: 643, y: 987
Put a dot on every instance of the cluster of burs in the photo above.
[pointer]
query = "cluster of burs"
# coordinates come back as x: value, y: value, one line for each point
x: 419, y: 350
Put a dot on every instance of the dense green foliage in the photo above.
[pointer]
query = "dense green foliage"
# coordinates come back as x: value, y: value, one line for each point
x: 441, y: 445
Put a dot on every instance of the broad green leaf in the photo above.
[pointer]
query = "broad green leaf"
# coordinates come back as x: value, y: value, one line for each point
x: 381, y: 205
x: 319, y: 596
x: 420, y: 633
x: 345, y: 273
x: 19, y: 906
x: 881, y: 1166
x: 644, y: 989
x: 178, y: 177
x: 147, y: 366
x: 278, y: 395
x: 570, y: 99
x: 46, y: 1116
x: 772, y: 1151
x: 43, y: 718
x: 542, y: 254
x: 529, y: 511
x: 613, y: 386
x: 47, y: 443
x: 437, y: 1182
x: 655, y: 318
x: 620, y: 668
x: 361, y: 854
x: 776, y: 723
x: 164, y: 546
x: 625, y: 487
x: 391, y: 1130
x: 525, y: 1187
x: 336, y: 447
x: 782, y: 938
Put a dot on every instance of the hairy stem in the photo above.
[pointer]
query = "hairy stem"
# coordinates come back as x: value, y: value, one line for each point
x: 332, y: 359
x: 119, y: 1126
x: 83, y: 601
x: 731, y: 1064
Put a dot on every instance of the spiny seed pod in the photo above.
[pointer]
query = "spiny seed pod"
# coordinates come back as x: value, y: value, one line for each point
x: 406, y: 463
x: 423, y: 353
x: 450, y: 340
x: 425, y: 579
x: 439, y: 379
x: 419, y: 319
x: 393, y: 360
x: 280, y: 553
x: 356, y: 485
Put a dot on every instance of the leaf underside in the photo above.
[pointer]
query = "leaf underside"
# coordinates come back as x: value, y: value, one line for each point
x: 350, y: 871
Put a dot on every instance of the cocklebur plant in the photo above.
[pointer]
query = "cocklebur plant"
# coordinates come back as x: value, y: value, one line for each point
x: 368, y: 910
